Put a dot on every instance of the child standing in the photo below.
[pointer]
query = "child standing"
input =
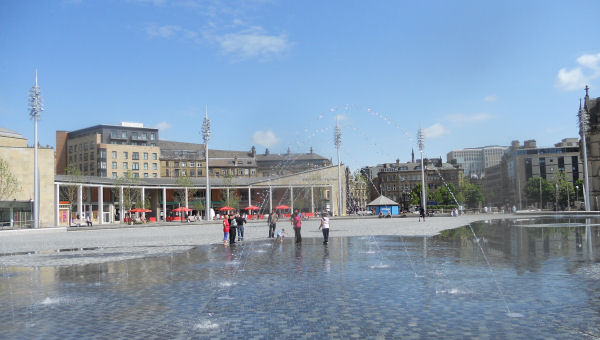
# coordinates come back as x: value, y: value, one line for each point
x: 325, y: 227
x: 280, y: 235
x: 225, y: 232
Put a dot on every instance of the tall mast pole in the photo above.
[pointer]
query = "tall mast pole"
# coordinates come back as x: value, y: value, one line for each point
x: 35, y: 110
x: 206, y: 138
x: 421, y: 142
x: 338, y: 142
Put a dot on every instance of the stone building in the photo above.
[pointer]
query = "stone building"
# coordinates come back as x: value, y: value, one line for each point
x: 188, y: 160
x: 109, y: 151
x: 591, y: 107
x: 269, y: 164
x: 357, y: 193
x: 17, y: 211
x: 397, y: 180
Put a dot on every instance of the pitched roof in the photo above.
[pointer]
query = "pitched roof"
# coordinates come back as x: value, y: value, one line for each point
x: 382, y: 200
x: 289, y: 157
x: 169, y: 149
x: 9, y: 133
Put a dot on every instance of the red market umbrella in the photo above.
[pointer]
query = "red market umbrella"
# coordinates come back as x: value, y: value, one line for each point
x: 251, y: 207
x: 145, y: 210
x: 182, y: 209
x: 136, y: 210
x: 226, y: 208
x: 282, y: 207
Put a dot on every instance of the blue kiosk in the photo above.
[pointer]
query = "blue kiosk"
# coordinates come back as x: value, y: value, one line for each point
x: 384, y: 206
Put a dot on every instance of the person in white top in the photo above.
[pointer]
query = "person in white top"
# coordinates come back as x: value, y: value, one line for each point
x: 325, y: 227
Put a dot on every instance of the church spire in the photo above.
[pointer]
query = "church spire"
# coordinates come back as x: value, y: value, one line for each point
x: 413, y: 155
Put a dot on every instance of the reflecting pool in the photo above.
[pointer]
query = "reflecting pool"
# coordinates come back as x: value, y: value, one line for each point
x: 514, y: 279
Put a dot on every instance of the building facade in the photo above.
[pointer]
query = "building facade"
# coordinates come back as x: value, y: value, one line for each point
x: 474, y: 161
x: 110, y: 151
x: 16, y: 211
x: 522, y: 162
x: 269, y: 164
x: 188, y: 160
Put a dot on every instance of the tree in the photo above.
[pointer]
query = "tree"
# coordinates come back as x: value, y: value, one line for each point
x: 9, y: 184
x: 566, y: 191
x: 131, y: 195
x: 186, y: 183
x: 416, y: 195
x: 233, y: 200
x: 444, y: 196
x: 472, y: 194
x: 70, y: 192
x: 532, y: 190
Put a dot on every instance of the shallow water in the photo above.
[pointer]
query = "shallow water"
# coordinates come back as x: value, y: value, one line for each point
x: 542, y: 282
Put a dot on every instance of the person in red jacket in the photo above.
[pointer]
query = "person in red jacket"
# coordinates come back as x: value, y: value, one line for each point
x: 225, y: 232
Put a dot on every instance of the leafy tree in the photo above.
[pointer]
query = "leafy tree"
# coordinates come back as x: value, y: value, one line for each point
x: 132, y: 196
x: 566, y: 191
x: 443, y: 196
x: 472, y: 194
x: 9, y: 184
x: 416, y: 195
x: 70, y: 192
x: 579, y: 189
x: 234, y: 198
x: 532, y: 190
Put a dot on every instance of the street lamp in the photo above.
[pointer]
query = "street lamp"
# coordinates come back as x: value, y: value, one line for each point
x: 35, y: 110
x: 576, y: 194
x: 421, y: 142
x: 206, y: 138
x: 337, y: 138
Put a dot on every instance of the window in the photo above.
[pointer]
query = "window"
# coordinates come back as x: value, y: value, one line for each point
x: 145, y: 166
x: 240, y: 172
x: 70, y: 149
x: 114, y: 175
x: 152, y: 136
x: 183, y: 164
x: 125, y: 155
x: 154, y: 166
x: 145, y: 175
x: 114, y: 154
x: 85, y: 156
x: 246, y: 172
x: 192, y: 173
x: 125, y: 166
x: 192, y: 164
x: 183, y: 172
x: 252, y: 171
x: 136, y: 175
x: 199, y: 172
x: 154, y: 156
x: 167, y: 172
x: 176, y: 164
x: 135, y: 156
x: 154, y: 175
x: 166, y: 163
x: 145, y: 156
x: 144, y: 136
x: 124, y: 134
x: 85, y: 147
x: 136, y: 166
x: 114, y: 165
x: 134, y: 135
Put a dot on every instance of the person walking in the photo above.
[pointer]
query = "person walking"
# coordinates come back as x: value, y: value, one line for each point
x: 232, y: 228
x: 325, y: 227
x: 272, y: 221
x: 421, y: 214
x: 297, y: 224
x: 240, y: 226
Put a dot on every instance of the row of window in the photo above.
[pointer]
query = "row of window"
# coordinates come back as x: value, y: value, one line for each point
x: 134, y: 135
x: 135, y: 166
x: 214, y: 172
x: 177, y: 164
x: 82, y: 147
x: 135, y: 155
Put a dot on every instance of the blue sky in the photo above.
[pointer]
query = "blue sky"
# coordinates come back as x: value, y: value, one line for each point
x: 277, y: 73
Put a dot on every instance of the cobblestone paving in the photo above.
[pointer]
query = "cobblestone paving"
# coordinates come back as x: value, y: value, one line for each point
x: 355, y: 287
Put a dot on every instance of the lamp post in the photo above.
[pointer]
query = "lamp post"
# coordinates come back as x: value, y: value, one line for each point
x: 206, y: 138
x: 541, y: 205
x: 35, y: 110
x: 576, y: 194
x: 556, y: 198
x: 337, y: 138
x: 583, y: 124
x: 421, y: 142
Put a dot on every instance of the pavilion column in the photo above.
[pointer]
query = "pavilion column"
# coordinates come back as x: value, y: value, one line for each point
x: 100, y: 205
x: 56, y: 203
x: 312, y: 199
x: 249, y: 196
x: 291, y: 199
x: 186, y: 197
x: 80, y: 201
x: 164, y: 204
x: 121, y: 209
x: 143, y: 198
x: 270, y: 199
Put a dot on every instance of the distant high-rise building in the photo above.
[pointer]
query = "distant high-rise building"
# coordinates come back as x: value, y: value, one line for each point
x: 474, y: 161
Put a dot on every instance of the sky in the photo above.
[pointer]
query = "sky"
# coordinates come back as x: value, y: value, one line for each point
x: 280, y: 74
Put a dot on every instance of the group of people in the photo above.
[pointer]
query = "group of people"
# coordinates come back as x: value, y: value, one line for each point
x: 233, y: 223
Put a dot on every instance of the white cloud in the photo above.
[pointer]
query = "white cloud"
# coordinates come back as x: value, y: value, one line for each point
x: 490, y: 98
x: 253, y: 42
x: 576, y: 78
x: 341, y: 117
x: 436, y: 130
x: 461, y: 118
x: 162, y: 126
x: 265, y: 138
x: 165, y: 31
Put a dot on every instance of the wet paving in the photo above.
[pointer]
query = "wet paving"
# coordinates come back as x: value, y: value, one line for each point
x: 518, y: 279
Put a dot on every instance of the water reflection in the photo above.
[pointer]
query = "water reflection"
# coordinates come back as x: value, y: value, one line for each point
x: 353, y: 287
